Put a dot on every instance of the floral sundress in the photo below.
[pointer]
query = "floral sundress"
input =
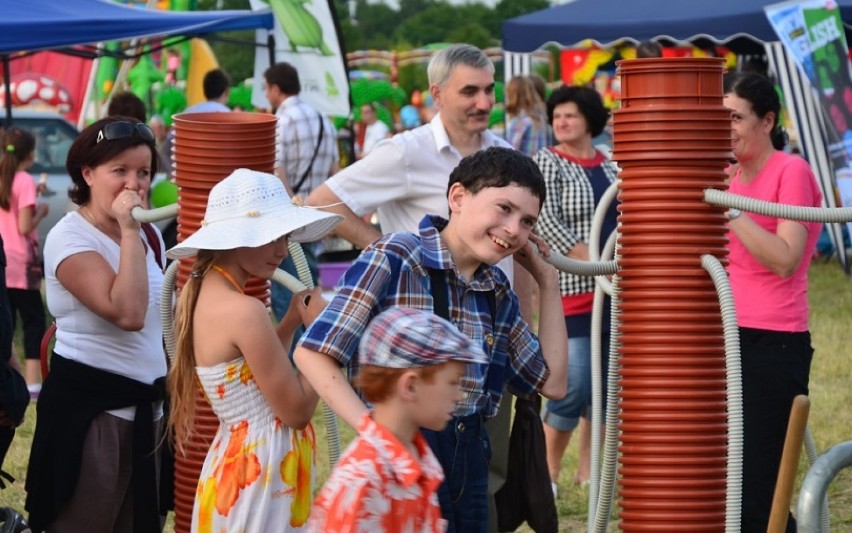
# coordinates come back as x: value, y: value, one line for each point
x: 258, y: 474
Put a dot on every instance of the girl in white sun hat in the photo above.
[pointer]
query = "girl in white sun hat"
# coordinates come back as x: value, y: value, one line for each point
x: 258, y: 470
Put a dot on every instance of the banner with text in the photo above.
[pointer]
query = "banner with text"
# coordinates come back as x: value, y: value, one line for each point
x: 813, y: 32
x: 306, y: 37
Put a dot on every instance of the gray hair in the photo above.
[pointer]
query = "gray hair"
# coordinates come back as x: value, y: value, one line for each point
x: 444, y: 61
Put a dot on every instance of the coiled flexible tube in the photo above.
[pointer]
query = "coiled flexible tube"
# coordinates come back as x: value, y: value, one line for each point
x: 733, y: 366
x: 811, y: 452
x: 789, y: 212
x: 597, y: 392
x: 597, y: 228
x: 167, y: 304
x: 603, y: 505
x: 153, y: 215
x: 328, y: 415
x: 581, y: 268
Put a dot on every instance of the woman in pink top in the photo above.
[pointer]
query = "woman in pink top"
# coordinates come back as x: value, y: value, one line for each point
x: 19, y: 216
x: 769, y: 259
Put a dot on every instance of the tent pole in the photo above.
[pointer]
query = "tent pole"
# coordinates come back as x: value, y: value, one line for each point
x: 270, y: 47
x: 7, y: 83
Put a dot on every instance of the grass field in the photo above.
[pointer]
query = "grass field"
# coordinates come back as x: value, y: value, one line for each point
x: 830, y: 416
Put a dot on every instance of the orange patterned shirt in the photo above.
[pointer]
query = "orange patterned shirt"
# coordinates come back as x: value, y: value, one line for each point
x: 379, y: 486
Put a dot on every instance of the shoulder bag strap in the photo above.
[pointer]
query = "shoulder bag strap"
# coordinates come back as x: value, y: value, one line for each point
x: 313, y: 158
x: 441, y: 308
x: 153, y: 242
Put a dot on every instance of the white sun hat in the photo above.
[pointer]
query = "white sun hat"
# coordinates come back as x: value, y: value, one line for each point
x: 251, y: 209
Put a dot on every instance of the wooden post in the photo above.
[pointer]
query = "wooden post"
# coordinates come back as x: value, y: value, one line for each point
x: 789, y: 464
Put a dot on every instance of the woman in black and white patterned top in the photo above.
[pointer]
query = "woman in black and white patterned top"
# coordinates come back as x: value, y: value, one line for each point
x: 577, y: 176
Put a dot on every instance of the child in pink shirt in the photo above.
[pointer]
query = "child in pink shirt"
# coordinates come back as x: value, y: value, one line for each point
x: 19, y: 215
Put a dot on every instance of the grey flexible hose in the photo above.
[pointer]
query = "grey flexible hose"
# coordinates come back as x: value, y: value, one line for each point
x: 154, y: 215
x: 610, y: 454
x: 581, y: 268
x: 167, y: 308
x: 597, y: 228
x: 328, y: 415
x: 733, y: 369
x: 788, y: 212
x: 597, y: 392
x: 167, y: 301
x: 811, y: 452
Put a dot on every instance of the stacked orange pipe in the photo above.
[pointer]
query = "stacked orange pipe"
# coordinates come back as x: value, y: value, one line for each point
x: 672, y: 140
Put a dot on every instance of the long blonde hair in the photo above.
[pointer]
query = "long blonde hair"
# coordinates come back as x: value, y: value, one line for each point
x: 522, y: 97
x: 182, y: 381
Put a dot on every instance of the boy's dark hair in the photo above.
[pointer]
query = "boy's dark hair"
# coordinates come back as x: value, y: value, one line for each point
x: 589, y: 104
x: 285, y: 76
x: 86, y: 151
x: 498, y: 167
x: 215, y: 83
x: 127, y: 104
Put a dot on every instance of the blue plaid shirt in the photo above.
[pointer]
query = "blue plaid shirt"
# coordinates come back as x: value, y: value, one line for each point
x: 392, y: 272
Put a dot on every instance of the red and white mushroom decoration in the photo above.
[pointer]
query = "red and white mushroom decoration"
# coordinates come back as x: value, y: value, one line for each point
x: 37, y: 90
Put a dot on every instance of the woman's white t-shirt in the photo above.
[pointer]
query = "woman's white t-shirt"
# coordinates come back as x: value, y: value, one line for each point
x: 83, y: 336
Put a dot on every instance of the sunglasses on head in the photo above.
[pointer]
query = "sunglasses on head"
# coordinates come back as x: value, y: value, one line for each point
x: 123, y: 130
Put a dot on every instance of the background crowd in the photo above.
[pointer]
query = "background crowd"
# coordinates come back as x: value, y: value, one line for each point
x: 458, y: 208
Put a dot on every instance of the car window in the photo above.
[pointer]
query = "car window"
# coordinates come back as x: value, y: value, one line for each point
x: 53, y: 139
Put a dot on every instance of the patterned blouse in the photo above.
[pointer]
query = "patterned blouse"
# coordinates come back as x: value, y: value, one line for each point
x: 379, y: 486
x: 574, y: 187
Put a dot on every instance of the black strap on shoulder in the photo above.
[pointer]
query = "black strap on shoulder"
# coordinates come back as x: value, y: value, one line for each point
x: 441, y: 305
x: 313, y: 157
x: 153, y: 242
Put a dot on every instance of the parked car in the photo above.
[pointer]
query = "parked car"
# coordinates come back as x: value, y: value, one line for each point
x: 54, y: 136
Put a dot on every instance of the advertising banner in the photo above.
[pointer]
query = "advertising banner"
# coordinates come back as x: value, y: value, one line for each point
x: 812, y: 30
x: 306, y: 37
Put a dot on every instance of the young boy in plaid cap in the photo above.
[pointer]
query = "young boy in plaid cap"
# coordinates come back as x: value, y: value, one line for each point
x: 494, y: 197
x: 411, y: 364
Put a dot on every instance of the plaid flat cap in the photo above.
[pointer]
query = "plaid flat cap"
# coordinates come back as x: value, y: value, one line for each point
x: 401, y: 337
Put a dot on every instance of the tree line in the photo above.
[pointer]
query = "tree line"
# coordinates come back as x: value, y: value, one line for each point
x: 373, y: 26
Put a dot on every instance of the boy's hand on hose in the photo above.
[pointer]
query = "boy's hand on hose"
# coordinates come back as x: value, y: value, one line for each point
x: 304, y: 307
x: 534, y: 261
x: 311, y: 305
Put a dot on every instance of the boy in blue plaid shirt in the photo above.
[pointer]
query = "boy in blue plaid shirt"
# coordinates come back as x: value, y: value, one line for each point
x: 495, y: 196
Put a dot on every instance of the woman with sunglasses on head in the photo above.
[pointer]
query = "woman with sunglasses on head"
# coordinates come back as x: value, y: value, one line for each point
x: 258, y: 472
x: 769, y: 259
x: 94, y: 464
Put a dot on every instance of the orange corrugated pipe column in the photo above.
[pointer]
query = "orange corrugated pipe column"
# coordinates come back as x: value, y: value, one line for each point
x: 672, y: 139
x: 207, y: 148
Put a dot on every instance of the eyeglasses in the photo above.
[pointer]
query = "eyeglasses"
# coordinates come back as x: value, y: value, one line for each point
x: 123, y: 130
